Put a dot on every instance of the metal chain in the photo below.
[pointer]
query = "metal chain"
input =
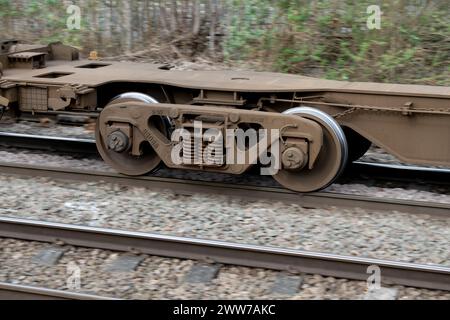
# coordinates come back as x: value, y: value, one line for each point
x: 405, y: 111
x: 344, y: 113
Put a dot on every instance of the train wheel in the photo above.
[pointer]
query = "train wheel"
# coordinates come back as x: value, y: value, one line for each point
x: 330, y: 162
x: 122, y: 160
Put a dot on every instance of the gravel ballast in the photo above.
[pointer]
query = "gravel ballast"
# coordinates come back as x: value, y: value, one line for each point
x: 384, y: 235
x: 50, y: 129
x: 439, y: 194
x: 164, y: 278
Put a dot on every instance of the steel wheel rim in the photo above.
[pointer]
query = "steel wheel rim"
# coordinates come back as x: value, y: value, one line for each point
x: 122, y: 162
x: 334, y: 138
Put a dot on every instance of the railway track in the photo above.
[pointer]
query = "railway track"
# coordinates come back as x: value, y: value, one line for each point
x: 52, y: 143
x: 415, y: 275
x: 9, y: 291
x: 356, y: 171
x: 321, y: 199
x: 212, y: 251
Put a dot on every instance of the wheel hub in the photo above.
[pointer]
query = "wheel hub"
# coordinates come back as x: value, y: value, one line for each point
x: 293, y: 158
x: 118, y: 141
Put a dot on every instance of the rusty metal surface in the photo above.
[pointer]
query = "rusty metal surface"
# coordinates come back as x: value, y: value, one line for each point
x: 10, y: 291
x: 310, y: 200
x: 224, y: 80
x: 138, y: 113
x: 392, y: 272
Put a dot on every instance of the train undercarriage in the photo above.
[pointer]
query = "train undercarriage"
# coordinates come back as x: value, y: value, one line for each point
x: 301, y: 130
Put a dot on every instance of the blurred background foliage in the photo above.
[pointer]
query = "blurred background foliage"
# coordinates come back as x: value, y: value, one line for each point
x: 312, y: 37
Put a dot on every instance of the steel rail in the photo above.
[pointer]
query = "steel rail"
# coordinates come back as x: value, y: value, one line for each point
x: 299, y: 261
x: 379, y: 171
x: 40, y: 142
x: 321, y: 199
x: 9, y: 291
x: 397, y: 172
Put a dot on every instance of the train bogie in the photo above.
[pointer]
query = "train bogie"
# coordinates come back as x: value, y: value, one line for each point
x: 301, y: 130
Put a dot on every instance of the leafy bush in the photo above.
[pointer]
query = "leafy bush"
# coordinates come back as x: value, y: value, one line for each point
x: 331, y: 39
x: 314, y: 37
